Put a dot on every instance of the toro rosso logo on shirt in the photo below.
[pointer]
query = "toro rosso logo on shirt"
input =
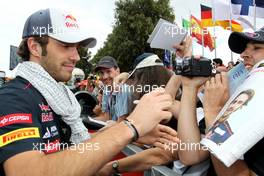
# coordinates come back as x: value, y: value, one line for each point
x: 44, y: 107
x: 46, y: 115
x: 15, y: 118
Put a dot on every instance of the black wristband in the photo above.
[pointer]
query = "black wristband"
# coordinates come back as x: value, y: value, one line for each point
x: 133, y: 128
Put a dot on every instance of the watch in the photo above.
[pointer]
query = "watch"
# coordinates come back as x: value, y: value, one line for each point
x: 115, y: 166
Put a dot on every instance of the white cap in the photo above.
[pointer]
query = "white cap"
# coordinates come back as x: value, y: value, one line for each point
x: 58, y: 24
x: 150, y: 61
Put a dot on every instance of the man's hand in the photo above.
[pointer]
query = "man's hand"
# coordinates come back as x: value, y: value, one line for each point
x: 97, y: 110
x: 193, y: 82
x: 185, y: 48
x: 121, y: 78
x: 160, y: 134
x: 215, y: 96
x: 107, y: 170
x: 151, y: 109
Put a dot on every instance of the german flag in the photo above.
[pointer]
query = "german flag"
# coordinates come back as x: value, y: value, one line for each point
x: 206, y: 16
x: 207, y: 21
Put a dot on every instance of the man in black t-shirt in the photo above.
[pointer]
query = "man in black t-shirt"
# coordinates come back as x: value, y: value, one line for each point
x: 26, y: 115
x: 35, y: 108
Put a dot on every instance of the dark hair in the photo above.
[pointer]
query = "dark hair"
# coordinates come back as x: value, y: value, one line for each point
x: 250, y: 93
x: 218, y: 61
x: 232, y: 62
x: 151, y: 76
x: 23, y: 50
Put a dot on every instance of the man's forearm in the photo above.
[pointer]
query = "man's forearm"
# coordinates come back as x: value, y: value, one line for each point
x: 79, y: 161
x: 187, y: 119
x: 92, y: 160
x: 109, y: 143
x: 188, y: 130
x: 173, y: 85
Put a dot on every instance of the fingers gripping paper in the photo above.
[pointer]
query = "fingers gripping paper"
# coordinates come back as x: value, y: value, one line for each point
x: 239, y: 125
x: 165, y: 35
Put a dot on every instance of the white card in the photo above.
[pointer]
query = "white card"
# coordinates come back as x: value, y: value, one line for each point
x: 165, y: 35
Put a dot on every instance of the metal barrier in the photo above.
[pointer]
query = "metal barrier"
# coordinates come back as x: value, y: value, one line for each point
x: 131, y: 149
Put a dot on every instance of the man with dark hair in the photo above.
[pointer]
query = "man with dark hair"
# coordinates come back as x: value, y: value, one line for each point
x: 23, y: 50
x: 36, y: 105
x: 218, y: 61
x: 219, y: 65
x: 250, y: 46
x: 115, y: 97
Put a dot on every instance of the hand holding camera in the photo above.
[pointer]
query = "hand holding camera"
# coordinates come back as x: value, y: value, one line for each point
x: 184, y: 49
x: 188, y: 65
x: 193, y: 67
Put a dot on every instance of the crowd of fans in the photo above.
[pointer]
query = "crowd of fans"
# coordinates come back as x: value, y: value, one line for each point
x: 150, y: 106
x: 127, y: 88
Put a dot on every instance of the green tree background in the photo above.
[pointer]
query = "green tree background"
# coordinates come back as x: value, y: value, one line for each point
x: 83, y: 63
x: 134, y: 22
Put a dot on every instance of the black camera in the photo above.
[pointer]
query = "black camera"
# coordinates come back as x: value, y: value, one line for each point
x: 193, y: 67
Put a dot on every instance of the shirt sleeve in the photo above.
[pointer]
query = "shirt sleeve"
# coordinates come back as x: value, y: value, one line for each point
x: 105, y: 102
x: 121, y: 107
x: 19, y: 125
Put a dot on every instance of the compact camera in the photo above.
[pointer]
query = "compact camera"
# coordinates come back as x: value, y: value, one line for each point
x: 193, y: 67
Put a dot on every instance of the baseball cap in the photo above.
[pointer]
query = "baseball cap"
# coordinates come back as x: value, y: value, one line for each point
x: 238, y: 40
x: 146, y: 60
x: 58, y: 24
x: 106, y: 62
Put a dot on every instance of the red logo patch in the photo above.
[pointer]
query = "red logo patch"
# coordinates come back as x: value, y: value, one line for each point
x: 52, y: 147
x: 15, y: 118
x: 44, y: 107
x: 47, y: 117
x: 70, y: 22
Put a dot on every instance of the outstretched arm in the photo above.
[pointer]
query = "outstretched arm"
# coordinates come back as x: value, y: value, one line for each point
x: 101, y: 148
x: 188, y: 131
x: 140, y: 161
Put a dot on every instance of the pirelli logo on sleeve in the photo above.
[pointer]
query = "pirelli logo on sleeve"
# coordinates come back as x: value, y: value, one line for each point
x: 23, y: 133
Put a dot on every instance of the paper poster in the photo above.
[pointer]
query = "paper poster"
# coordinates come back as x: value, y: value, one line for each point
x: 239, y: 125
